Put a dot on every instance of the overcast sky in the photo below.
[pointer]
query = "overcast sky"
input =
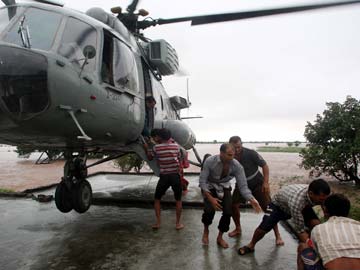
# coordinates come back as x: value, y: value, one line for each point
x: 262, y: 79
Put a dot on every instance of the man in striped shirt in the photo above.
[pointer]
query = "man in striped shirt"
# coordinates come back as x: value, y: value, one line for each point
x: 167, y: 154
x: 337, y: 241
x: 287, y: 203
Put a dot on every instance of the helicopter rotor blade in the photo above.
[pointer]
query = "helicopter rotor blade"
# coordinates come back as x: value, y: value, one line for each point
x: 214, y: 18
x: 8, y: 2
x: 132, y: 7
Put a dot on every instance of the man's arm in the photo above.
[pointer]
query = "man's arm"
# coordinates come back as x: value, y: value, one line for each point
x: 299, y: 225
x: 149, y: 153
x: 266, y: 174
x: 204, y: 175
x: 303, y: 237
x: 203, y: 183
x: 215, y: 202
x: 243, y: 187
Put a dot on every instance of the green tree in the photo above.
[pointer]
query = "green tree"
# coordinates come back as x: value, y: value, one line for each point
x: 289, y: 144
x: 128, y: 162
x: 25, y: 152
x: 334, y: 142
x: 297, y: 143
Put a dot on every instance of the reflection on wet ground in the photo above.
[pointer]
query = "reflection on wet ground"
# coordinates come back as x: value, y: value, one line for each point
x: 37, y: 236
x: 117, y: 234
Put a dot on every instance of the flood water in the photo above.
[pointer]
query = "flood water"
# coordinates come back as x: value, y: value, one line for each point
x: 19, y: 174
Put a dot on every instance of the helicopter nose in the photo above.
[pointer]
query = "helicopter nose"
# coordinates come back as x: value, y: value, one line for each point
x: 23, y: 82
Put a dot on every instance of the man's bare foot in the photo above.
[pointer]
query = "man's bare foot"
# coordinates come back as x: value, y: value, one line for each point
x: 156, y: 226
x: 279, y: 242
x: 235, y: 233
x: 180, y: 226
x: 205, y: 239
x: 221, y: 242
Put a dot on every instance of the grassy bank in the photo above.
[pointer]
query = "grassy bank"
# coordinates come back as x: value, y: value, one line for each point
x: 288, y: 149
x: 4, y: 190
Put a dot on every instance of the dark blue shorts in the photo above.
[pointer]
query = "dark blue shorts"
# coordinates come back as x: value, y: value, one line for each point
x: 311, y: 260
x: 273, y: 214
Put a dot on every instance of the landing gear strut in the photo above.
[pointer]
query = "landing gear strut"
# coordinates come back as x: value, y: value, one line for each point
x: 74, y: 191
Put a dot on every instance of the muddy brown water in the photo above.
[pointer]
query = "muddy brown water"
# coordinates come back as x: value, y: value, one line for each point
x: 19, y: 174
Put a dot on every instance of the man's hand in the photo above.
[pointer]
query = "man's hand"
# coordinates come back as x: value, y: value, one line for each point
x: 303, y: 237
x: 255, y: 204
x: 216, y: 203
x: 265, y: 188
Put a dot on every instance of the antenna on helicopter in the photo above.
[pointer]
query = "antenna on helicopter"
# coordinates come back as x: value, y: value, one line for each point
x: 188, y: 102
x: 187, y: 91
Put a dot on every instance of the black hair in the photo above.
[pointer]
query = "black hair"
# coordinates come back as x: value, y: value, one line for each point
x: 164, y: 134
x: 225, y: 146
x: 235, y: 139
x: 154, y: 132
x: 319, y: 186
x: 337, y: 205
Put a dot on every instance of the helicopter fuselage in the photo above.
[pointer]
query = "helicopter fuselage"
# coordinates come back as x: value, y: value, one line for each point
x: 69, y: 81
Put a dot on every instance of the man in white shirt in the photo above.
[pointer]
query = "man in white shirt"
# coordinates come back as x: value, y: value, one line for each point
x: 337, y: 241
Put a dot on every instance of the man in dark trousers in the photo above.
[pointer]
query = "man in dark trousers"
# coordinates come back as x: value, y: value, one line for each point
x: 258, y: 184
x: 215, y: 186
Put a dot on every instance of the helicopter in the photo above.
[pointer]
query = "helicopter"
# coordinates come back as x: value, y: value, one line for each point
x: 77, y: 82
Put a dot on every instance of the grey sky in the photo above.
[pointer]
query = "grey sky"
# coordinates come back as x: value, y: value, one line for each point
x: 261, y: 78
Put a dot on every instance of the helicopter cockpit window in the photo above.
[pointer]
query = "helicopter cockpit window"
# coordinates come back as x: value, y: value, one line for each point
x: 118, y: 66
x: 124, y: 67
x: 77, y: 35
x: 31, y: 31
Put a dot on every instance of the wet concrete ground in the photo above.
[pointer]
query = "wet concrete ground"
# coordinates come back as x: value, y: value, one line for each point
x: 37, y: 236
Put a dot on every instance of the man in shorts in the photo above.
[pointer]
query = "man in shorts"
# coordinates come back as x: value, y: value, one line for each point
x: 287, y: 203
x: 167, y: 154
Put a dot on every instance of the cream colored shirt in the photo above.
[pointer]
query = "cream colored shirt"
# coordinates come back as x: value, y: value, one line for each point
x: 338, y: 237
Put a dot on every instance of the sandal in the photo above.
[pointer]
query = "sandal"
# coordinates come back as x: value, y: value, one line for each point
x: 245, y: 250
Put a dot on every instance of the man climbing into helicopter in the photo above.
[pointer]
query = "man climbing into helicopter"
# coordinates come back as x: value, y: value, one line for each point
x: 184, y: 161
x: 150, y: 103
x: 167, y: 154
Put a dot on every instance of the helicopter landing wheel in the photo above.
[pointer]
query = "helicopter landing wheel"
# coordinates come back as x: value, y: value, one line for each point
x: 82, y: 196
x: 63, y: 198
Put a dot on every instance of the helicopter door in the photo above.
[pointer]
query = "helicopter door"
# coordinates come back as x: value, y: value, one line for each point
x: 120, y: 78
x: 150, y: 113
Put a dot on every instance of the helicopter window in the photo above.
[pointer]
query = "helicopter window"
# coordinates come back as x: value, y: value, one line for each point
x: 124, y: 67
x: 32, y: 32
x: 77, y: 35
x: 106, y: 67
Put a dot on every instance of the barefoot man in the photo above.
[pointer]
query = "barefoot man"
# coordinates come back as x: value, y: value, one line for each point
x: 257, y: 182
x: 215, y: 185
x: 167, y: 154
